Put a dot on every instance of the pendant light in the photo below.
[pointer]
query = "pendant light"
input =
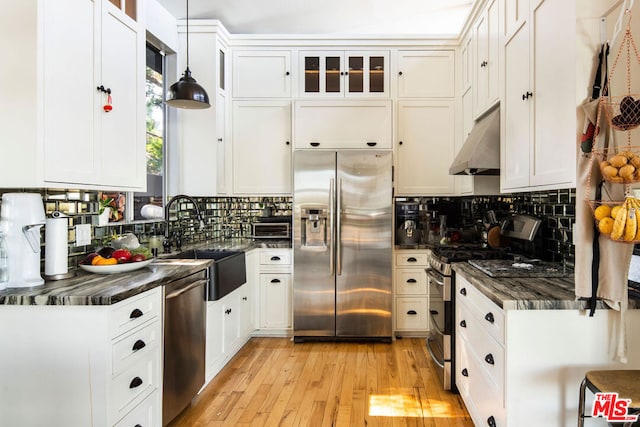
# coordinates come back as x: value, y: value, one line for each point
x: 186, y: 92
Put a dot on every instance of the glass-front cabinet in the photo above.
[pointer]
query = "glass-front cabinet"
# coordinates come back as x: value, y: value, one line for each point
x: 344, y: 73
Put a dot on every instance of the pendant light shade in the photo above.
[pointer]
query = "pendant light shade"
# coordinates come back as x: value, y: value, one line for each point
x: 186, y: 92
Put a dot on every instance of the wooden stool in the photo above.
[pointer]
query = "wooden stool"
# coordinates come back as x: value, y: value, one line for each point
x: 624, y: 382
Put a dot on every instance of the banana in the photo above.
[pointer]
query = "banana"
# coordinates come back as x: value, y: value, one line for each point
x: 631, y: 225
x: 619, y: 223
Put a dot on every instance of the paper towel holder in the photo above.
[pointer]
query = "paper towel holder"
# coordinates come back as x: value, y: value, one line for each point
x: 49, y: 247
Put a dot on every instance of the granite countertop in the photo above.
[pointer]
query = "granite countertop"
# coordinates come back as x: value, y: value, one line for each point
x: 106, y: 289
x: 528, y: 293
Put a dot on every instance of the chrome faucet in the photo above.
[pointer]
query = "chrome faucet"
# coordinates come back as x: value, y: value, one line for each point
x: 166, y: 244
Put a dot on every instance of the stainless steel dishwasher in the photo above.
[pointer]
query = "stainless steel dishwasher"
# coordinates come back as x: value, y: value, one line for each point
x: 184, y: 342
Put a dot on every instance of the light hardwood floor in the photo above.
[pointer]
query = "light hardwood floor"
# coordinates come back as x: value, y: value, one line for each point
x: 274, y: 382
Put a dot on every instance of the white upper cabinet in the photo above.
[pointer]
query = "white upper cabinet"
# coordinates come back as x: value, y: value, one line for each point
x: 426, y: 74
x: 65, y: 130
x: 516, y: 12
x: 261, y: 74
x: 344, y: 74
x: 261, y: 147
x: 485, y: 69
x: 426, y: 138
x: 353, y: 124
x: 539, y: 112
x: 466, y: 57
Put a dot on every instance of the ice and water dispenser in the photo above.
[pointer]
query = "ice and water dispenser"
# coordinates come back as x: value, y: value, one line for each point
x: 314, y: 233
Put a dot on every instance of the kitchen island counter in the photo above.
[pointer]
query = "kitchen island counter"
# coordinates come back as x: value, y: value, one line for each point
x: 528, y: 293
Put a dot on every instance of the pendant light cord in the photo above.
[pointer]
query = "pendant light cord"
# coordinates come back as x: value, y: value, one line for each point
x: 187, y: 34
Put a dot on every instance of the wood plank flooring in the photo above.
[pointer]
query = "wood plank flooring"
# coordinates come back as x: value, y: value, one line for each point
x: 274, y: 382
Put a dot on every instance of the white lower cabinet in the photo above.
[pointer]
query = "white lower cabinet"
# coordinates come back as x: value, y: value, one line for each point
x: 82, y: 365
x: 274, y: 290
x: 523, y: 367
x: 411, y: 292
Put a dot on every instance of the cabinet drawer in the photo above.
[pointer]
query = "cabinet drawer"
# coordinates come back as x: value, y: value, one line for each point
x: 132, y: 386
x: 146, y: 414
x: 411, y: 281
x: 489, y: 353
x: 282, y: 257
x: 136, y: 346
x: 412, y: 314
x: 411, y: 259
x: 475, y: 387
x: 491, y: 315
x: 135, y: 311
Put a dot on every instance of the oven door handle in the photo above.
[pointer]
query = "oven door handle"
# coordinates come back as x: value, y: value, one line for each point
x: 433, y: 356
x: 431, y: 273
x: 439, y: 330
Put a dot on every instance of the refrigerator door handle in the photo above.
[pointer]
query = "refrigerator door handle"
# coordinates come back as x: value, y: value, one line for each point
x: 332, y: 199
x: 338, y: 227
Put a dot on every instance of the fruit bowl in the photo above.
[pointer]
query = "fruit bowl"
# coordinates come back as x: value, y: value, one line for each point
x: 619, y: 165
x: 622, y: 112
x: 116, y: 268
x: 624, y: 229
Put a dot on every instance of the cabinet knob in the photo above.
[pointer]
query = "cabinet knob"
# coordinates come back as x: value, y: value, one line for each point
x: 400, y: 73
x: 139, y: 345
x: 227, y: 311
x: 463, y: 323
x: 400, y: 143
x: 135, y: 314
x: 463, y: 291
x: 287, y: 142
x: 491, y: 422
x: 244, y: 298
x: 412, y: 312
x: 287, y: 73
x: 465, y: 373
x: 526, y: 96
x: 484, y: 64
x: 489, y: 359
x: 489, y: 317
x: 219, y: 139
x: 102, y: 89
x: 136, y: 382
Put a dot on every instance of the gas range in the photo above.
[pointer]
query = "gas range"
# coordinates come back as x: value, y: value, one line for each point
x: 442, y: 256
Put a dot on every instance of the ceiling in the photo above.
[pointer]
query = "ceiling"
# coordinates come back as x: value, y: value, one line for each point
x: 429, y: 18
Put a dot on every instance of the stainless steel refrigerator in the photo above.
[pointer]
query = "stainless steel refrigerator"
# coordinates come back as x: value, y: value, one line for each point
x: 342, y: 234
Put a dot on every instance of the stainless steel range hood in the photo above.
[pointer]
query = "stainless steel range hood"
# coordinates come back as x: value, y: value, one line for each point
x: 480, y: 154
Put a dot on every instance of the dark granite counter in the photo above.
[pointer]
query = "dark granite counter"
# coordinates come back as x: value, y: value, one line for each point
x: 528, y: 293
x: 106, y: 289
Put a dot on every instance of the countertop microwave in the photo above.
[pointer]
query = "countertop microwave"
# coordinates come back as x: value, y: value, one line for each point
x: 271, y: 230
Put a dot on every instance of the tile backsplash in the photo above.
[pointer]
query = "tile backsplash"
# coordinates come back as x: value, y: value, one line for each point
x: 231, y: 217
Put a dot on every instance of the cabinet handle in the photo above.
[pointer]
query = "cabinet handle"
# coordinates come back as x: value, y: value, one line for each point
x: 287, y: 73
x: 244, y: 298
x: 484, y: 64
x: 412, y: 312
x: 227, y: 311
x: 287, y: 142
x: 465, y: 373
x: 489, y: 317
x: 491, y: 421
x: 463, y: 291
x: 526, y: 96
x: 135, y: 314
x: 275, y: 280
x: 463, y: 323
x: 400, y: 143
x: 102, y: 89
x: 219, y: 139
x: 314, y: 144
x: 412, y: 281
x: 433, y: 312
x: 275, y: 258
x: 136, y: 382
x: 489, y: 359
x: 412, y: 259
x: 137, y: 425
x: 400, y: 73
x: 372, y: 144
x: 139, y: 345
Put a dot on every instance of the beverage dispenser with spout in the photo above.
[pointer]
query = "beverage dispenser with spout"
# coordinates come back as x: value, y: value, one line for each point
x: 21, y: 217
x: 407, y: 223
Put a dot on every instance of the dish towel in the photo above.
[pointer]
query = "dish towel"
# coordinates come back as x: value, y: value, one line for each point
x: 615, y: 258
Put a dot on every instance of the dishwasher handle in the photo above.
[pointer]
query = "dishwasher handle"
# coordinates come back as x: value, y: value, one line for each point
x: 186, y: 288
